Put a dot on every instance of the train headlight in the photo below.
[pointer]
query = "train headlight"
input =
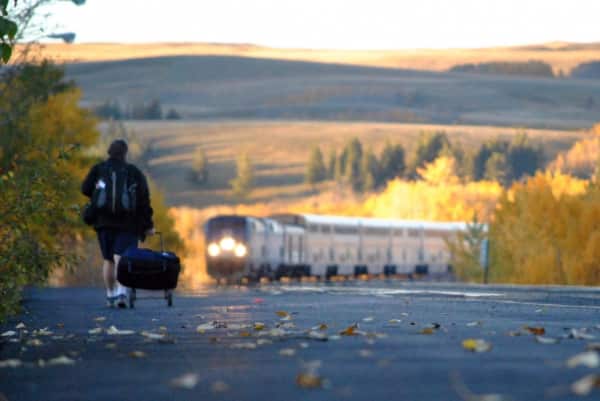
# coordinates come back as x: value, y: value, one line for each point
x: 227, y: 244
x: 214, y: 250
x: 240, y: 250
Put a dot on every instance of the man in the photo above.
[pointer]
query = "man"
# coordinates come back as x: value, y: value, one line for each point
x: 121, y: 199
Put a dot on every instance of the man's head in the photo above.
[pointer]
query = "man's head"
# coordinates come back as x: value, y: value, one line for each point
x: 118, y: 149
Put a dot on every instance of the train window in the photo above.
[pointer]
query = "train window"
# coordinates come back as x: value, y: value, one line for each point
x: 263, y: 250
x: 331, y: 254
x: 404, y: 255
x: 412, y: 232
x: 421, y: 255
x: 345, y: 230
x: 313, y: 228
x: 325, y: 229
x: 377, y: 231
x: 389, y: 255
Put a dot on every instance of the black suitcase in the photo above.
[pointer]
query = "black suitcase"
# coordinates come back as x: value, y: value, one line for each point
x: 146, y: 269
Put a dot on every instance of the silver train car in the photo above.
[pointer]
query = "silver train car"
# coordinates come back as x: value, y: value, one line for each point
x: 324, y: 246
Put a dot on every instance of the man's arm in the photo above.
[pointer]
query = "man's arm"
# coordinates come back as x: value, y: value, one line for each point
x: 89, y: 183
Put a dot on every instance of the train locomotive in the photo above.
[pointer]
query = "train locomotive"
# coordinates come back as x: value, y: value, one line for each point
x: 324, y: 246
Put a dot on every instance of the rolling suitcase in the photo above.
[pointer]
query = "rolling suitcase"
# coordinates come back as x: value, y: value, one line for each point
x: 145, y: 269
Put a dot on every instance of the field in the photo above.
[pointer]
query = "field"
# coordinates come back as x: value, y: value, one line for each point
x: 561, y: 56
x: 280, y: 150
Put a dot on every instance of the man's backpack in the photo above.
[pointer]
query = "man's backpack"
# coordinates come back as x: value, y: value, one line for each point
x: 116, y: 189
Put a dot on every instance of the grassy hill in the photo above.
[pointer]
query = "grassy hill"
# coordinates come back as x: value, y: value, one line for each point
x: 562, y: 56
x: 231, y: 87
x: 280, y: 150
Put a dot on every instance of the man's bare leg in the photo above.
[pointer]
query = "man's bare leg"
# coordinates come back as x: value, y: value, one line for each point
x: 108, y: 273
x: 120, y: 290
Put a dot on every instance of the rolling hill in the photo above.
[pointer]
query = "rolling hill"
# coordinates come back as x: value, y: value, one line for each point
x: 232, y: 87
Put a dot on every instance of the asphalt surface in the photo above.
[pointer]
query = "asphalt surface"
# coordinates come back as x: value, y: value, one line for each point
x: 408, y: 344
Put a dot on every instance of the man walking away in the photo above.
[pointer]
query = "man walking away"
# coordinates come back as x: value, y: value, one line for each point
x: 121, y: 201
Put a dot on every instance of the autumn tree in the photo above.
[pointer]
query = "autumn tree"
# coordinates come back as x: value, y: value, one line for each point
x: 429, y: 147
x: 315, y: 170
x: 369, y: 169
x: 331, y: 164
x: 200, y: 166
x: 391, y: 163
x: 465, y: 248
x: 353, y: 152
x: 242, y: 184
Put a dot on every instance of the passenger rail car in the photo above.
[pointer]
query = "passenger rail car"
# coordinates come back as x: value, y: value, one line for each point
x: 324, y: 246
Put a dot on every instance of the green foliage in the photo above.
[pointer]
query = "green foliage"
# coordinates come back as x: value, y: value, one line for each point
x: 242, y: 184
x: 369, y: 170
x: 465, y: 248
x: 429, y: 147
x: 113, y: 110
x: 331, y: 165
x: 172, y: 114
x: 200, y: 166
x: 138, y: 148
x: 496, y: 168
x: 315, y: 170
x: 391, y: 163
x: 353, y: 153
x: 8, y: 32
x: 41, y: 167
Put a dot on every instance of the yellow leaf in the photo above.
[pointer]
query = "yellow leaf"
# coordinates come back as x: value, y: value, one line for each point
x: 427, y: 330
x: 476, y: 345
x: 307, y: 380
x: 137, y: 354
x: 350, y: 330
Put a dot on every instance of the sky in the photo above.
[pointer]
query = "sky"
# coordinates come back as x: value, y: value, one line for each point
x: 339, y: 24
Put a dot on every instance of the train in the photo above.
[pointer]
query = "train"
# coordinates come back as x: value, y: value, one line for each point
x: 297, y: 245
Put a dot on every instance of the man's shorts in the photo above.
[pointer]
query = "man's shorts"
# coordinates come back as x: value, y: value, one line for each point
x: 115, y: 242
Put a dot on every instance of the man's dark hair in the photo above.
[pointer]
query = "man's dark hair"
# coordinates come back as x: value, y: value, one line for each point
x: 118, y: 149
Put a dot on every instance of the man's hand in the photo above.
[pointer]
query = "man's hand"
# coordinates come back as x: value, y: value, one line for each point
x: 149, y: 232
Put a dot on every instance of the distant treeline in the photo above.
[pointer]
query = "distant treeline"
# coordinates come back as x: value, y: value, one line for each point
x: 589, y: 70
x: 152, y: 110
x: 532, y: 68
x: 498, y: 160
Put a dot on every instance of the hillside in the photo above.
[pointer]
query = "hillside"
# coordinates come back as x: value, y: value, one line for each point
x: 560, y: 55
x: 280, y: 151
x: 231, y: 87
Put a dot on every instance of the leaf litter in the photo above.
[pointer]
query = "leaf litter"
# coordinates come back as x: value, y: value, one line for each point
x: 186, y: 381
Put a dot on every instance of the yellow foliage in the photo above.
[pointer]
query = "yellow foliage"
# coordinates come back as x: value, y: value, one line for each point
x: 546, y: 230
x: 582, y: 159
x: 441, y: 171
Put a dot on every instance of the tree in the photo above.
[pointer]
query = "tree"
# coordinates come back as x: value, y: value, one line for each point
x: 172, y: 114
x: 242, y: 184
x: 353, y: 152
x: 8, y: 32
x: 496, y: 168
x: 200, y: 166
x: 332, y: 164
x: 391, y: 163
x: 429, y: 147
x: 523, y: 158
x: 465, y: 249
x: 42, y: 163
x: 369, y: 169
x: 315, y: 170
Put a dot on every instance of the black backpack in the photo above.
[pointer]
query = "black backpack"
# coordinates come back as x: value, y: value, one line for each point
x: 116, y: 190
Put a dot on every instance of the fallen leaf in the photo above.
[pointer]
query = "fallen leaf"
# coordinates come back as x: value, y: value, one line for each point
x: 99, y: 319
x: 20, y: 326
x: 317, y: 335
x: 113, y: 331
x: 350, y: 330
x: 258, y: 300
x: 9, y: 333
x: 287, y: 352
x: 546, y: 340
x: 283, y: 315
x: 137, y: 354
x: 245, y: 334
x: 321, y: 327
x: 394, y: 321
x: 10, y: 363
x: 473, y: 324
x: 110, y: 346
x: 580, y: 334
x: 35, y: 342
x: 368, y: 319
x: 476, y: 345
x: 60, y: 325
x: 538, y: 331
x: 593, y: 347
x: 588, y: 359
x: 187, y: 381
x: 303, y: 345
x: 586, y: 384
x: 427, y: 330
x: 263, y: 341
x: 308, y: 380
x: 152, y: 336
x: 259, y: 326
x: 219, y: 387
x: 95, y: 331
x: 61, y: 360
x: 205, y: 327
